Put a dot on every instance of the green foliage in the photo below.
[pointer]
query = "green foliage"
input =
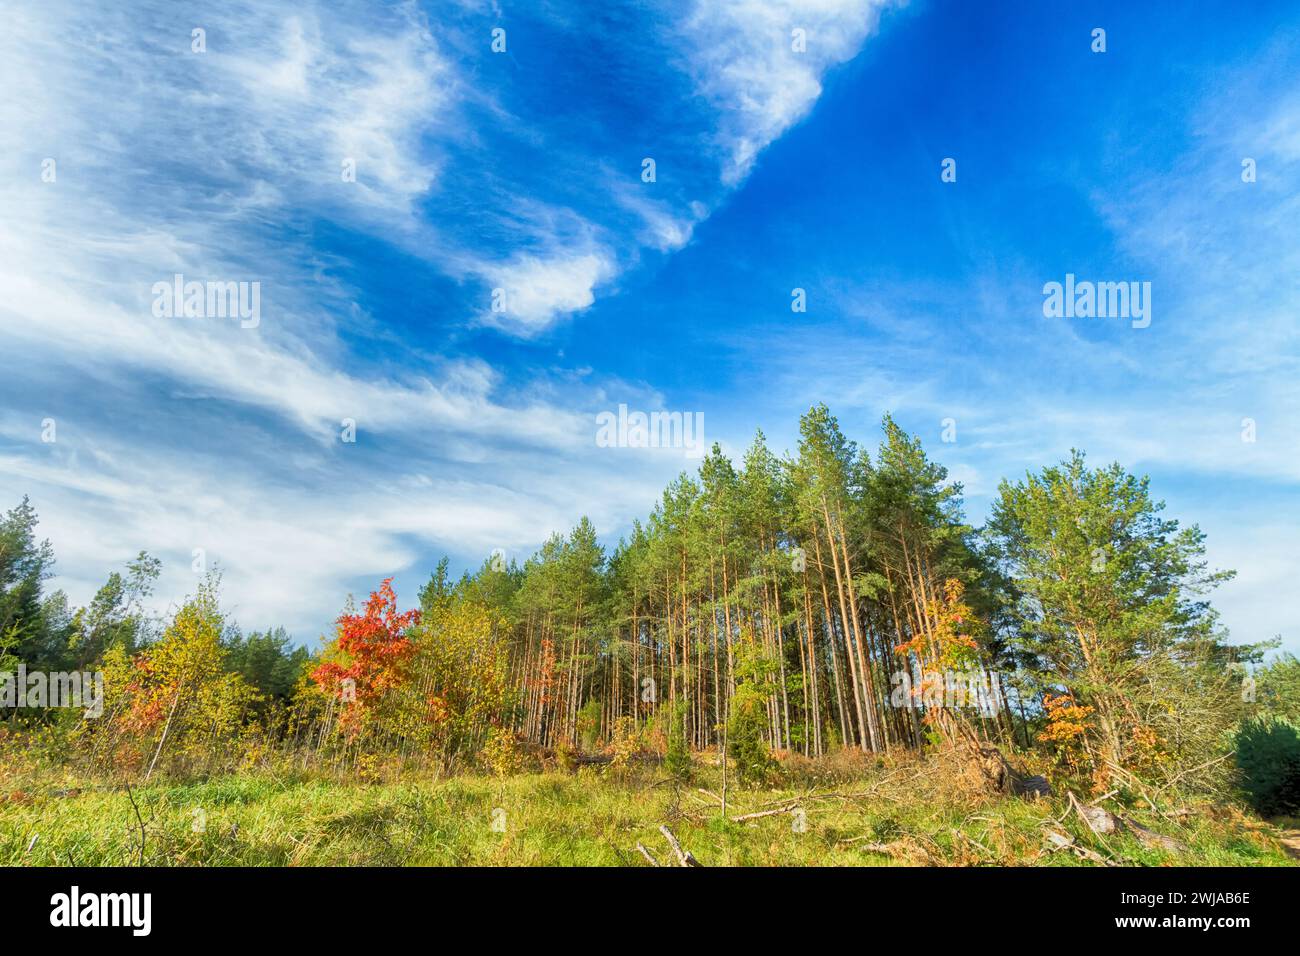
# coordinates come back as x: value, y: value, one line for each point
x: 1104, y: 582
x: 267, y: 662
x: 775, y: 597
x: 1278, y: 688
x: 24, y: 565
x: 459, y: 681
x: 437, y: 593
x: 832, y: 736
x: 677, y: 758
x: 116, y: 615
x: 589, y: 725
x: 8, y: 641
x: 1268, y: 756
x: 291, y: 818
x: 745, y: 743
x: 747, y: 725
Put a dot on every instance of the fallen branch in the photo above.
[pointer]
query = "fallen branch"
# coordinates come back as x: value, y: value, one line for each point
x: 1135, y: 782
x: 684, y: 857
x: 646, y: 853
x: 1061, y: 841
x: 1153, y: 840
x: 904, y: 851
x: 961, y: 834
x: 884, y: 848
x: 1179, y: 776
x: 586, y: 760
x: 785, y: 808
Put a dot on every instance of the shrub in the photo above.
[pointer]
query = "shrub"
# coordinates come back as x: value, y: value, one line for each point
x: 677, y: 759
x: 745, y: 743
x: 564, y: 756
x: 624, y: 746
x: 1268, y: 756
x: 500, y: 754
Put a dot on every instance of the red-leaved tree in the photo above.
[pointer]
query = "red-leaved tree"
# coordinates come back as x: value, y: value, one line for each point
x: 373, y: 652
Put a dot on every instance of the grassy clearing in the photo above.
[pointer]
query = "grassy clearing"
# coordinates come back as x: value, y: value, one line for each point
x: 584, y: 819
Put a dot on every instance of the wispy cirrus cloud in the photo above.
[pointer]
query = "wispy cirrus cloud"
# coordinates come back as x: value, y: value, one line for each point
x: 230, y: 163
x: 761, y: 64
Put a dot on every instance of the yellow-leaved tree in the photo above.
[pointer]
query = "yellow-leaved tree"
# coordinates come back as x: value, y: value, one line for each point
x: 462, y: 684
x: 176, y: 703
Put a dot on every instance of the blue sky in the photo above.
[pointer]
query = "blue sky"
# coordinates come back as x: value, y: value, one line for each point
x: 521, y: 170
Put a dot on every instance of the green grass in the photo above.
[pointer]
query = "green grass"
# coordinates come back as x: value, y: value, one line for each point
x: 587, y: 819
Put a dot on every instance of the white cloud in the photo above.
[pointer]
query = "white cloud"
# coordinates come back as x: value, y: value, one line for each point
x: 532, y: 291
x: 290, y: 543
x: 221, y: 166
x: 743, y: 60
x: 317, y: 101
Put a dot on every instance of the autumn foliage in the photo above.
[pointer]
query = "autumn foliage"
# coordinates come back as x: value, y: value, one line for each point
x: 371, y: 656
x: 430, y: 683
x: 1068, y: 724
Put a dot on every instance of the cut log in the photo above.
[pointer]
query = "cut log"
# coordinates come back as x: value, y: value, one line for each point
x: 1004, y: 778
x: 585, y: 760
x: 1153, y: 840
x: 1033, y: 787
x: 1099, y: 820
